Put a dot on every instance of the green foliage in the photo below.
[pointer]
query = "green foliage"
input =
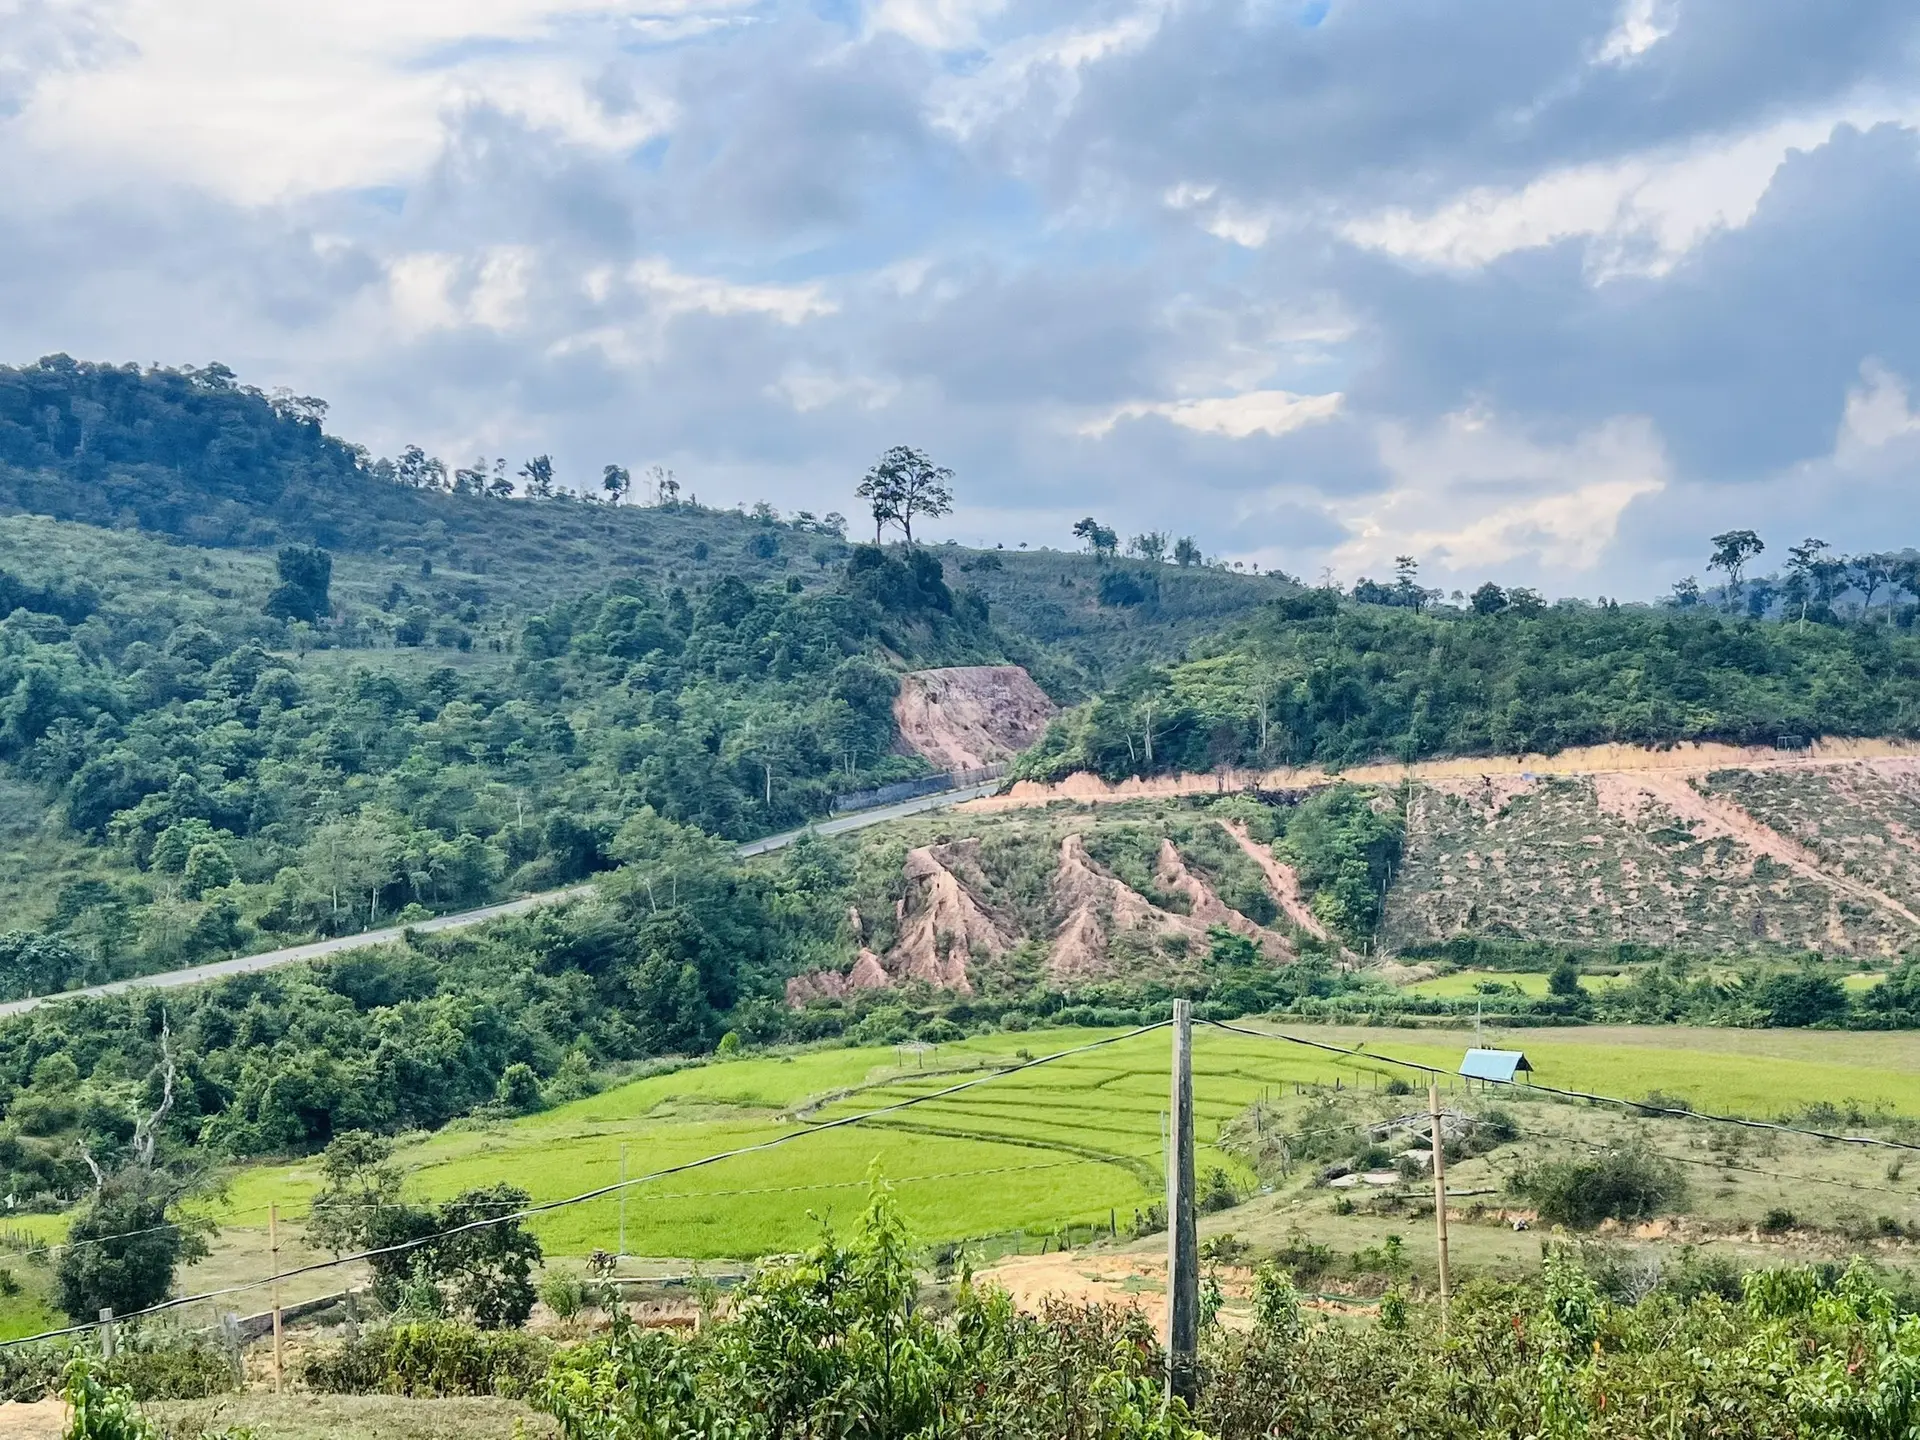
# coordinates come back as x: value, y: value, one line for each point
x: 833, y: 1343
x: 429, y: 1360
x: 563, y: 1293
x: 1276, y: 1304
x: 1623, y: 1184
x: 122, y: 1249
x: 1313, y: 679
x: 1344, y: 841
x: 97, y: 1410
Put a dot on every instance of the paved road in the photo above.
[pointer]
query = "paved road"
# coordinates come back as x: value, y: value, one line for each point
x: 294, y: 954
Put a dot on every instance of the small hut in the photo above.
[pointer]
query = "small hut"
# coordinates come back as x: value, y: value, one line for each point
x: 1496, y: 1066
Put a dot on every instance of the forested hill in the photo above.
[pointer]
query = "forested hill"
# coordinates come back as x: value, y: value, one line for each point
x: 1318, y: 678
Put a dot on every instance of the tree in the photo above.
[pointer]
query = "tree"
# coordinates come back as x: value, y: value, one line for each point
x: 358, y: 1180
x: 1406, y: 583
x: 1732, y: 551
x: 486, y: 1271
x: 615, y: 480
x: 1151, y: 547
x: 1489, y: 599
x: 538, y: 473
x: 1686, y: 594
x: 351, y: 857
x: 304, y: 591
x: 208, y: 867
x: 420, y: 471
x: 666, y: 489
x: 1186, y: 552
x: 1870, y: 573
x: 122, y: 1250
x: 904, y: 483
x: 1102, y: 542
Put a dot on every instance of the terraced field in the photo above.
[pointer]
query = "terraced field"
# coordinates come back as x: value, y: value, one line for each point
x: 1069, y: 1142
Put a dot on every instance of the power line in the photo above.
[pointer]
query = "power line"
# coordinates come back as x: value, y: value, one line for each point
x: 1645, y: 1107
x: 529, y: 1211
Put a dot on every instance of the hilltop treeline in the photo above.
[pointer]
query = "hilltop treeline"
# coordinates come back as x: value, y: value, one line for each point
x: 1317, y: 679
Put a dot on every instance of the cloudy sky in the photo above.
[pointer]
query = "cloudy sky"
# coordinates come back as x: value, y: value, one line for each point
x: 1540, y: 291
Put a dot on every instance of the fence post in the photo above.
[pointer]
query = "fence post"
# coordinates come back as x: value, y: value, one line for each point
x: 1183, y: 1251
x: 230, y: 1337
x: 106, y: 1333
x: 273, y: 1251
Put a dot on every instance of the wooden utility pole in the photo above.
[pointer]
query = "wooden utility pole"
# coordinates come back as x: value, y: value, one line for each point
x: 1439, y: 1193
x: 1183, y: 1248
x: 273, y: 1250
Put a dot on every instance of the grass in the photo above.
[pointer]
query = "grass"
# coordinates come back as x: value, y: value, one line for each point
x: 1075, y: 1141
x: 353, y: 1417
x: 1465, y: 984
x: 1068, y: 1142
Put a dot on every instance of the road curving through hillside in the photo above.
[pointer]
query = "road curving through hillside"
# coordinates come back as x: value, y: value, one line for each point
x: 368, y: 939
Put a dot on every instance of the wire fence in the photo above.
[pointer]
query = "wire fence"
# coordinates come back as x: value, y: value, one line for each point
x: 993, y: 1245
x: 912, y: 789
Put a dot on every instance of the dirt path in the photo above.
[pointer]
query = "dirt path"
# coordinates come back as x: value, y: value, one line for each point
x: 1281, y: 880
x: 1713, y: 818
x: 1686, y: 759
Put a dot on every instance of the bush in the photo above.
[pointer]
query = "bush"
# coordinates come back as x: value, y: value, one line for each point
x: 430, y: 1359
x: 1217, y: 1191
x: 1778, y: 1221
x: 562, y: 1292
x: 171, y: 1367
x: 1630, y: 1184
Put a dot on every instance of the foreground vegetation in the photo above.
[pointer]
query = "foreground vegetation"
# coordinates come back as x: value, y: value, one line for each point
x: 848, y: 1339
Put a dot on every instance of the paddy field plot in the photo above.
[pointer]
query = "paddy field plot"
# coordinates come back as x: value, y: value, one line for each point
x: 1076, y: 1141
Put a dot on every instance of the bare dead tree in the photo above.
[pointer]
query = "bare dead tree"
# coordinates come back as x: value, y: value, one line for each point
x: 146, y: 1134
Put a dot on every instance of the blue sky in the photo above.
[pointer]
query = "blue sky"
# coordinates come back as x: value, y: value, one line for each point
x: 1539, y: 292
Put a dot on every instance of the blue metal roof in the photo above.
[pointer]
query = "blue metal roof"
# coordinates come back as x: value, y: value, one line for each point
x: 1494, y: 1064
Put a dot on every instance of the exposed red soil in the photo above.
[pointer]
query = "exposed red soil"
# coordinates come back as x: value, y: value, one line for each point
x: 966, y: 717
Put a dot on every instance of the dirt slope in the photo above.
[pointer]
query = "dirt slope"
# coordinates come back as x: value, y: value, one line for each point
x: 969, y: 716
x: 1684, y: 759
x: 942, y: 922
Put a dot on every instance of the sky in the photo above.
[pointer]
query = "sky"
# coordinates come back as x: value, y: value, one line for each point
x: 1544, y: 293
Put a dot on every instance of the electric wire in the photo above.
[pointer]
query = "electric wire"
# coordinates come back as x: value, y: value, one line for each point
x: 528, y: 1211
x: 1645, y: 1107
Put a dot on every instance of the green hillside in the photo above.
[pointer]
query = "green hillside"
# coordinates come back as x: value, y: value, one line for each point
x: 1318, y: 678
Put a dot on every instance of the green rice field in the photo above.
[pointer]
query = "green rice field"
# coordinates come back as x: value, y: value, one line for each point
x: 1075, y: 1141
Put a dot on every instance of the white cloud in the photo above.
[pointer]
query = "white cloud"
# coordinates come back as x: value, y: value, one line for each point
x: 1017, y: 68
x: 935, y: 24
x: 436, y: 290
x: 1268, y: 412
x: 675, y: 292
x: 1642, y: 214
x: 807, y: 388
x: 1469, y: 495
x: 261, y: 100
x: 1643, y: 24
x: 1878, y: 412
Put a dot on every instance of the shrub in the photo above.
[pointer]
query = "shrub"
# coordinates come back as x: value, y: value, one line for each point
x: 1217, y: 1191
x: 562, y: 1292
x: 1276, y: 1304
x: 169, y: 1366
x: 430, y: 1359
x: 1778, y: 1221
x: 1630, y: 1184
